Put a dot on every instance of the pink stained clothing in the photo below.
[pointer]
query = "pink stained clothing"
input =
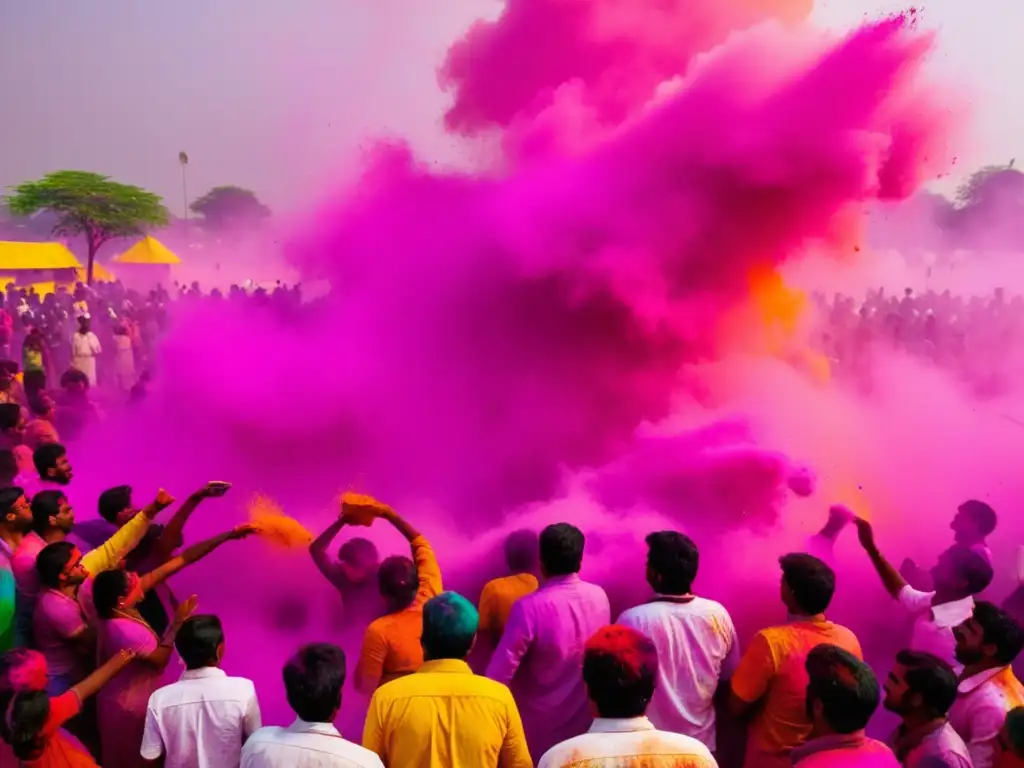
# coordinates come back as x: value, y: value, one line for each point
x: 844, y: 751
x: 57, y: 619
x: 122, y: 703
x: 540, y: 658
x: 24, y: 565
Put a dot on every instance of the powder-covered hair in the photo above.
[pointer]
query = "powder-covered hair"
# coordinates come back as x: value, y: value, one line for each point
x: 620, y: 670
x: 449, y: 626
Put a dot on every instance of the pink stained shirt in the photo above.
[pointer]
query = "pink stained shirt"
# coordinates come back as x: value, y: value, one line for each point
x: 540, y: 657
x: 57, y: 619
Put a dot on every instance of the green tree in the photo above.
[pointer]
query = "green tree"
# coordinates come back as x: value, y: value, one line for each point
x: 225, y: 207
x: 91, y: 205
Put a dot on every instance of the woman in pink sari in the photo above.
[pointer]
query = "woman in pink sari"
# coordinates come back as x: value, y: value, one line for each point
x: 122, y: 704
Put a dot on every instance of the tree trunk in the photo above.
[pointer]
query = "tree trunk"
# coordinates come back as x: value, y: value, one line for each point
x: 92, y: 259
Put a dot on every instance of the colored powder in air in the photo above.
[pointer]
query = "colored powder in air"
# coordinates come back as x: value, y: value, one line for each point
x: 513, y: 348
x: 273, y: 525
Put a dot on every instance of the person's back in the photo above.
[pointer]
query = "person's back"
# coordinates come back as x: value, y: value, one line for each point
x: 500, y: 594
x: 619, y: 670
x: 695, y: 638
x: 313, y: 681
x: 697, y: 647
x: 444, y: 716
x: 540, y: 653
x: 770, y: 682
x: 202, y: 720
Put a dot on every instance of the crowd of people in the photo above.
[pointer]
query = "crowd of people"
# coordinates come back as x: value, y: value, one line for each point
x: 534, y: 671
x: 975, y: 338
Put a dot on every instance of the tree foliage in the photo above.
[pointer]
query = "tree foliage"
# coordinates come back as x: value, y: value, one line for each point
x: 90, y: 205
x: 226, y: 207
x: 985, y: 186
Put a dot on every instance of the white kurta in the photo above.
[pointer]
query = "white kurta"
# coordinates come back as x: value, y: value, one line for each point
x: 84, y: 349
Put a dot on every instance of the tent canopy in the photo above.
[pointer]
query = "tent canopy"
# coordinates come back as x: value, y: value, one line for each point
x: 15, y: 256
x: 148, y: 250
x: 99, y: 272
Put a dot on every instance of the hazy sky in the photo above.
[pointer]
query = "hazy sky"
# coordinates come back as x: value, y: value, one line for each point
x: 275, y: 94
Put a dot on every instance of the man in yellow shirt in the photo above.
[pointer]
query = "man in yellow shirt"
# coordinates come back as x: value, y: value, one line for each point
x: 444, y: 716
x: 522, y: 552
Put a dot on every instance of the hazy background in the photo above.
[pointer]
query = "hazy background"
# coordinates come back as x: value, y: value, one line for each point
x: 274, y: 95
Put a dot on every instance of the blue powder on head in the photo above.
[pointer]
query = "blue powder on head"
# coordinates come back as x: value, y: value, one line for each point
x: 450, y: 623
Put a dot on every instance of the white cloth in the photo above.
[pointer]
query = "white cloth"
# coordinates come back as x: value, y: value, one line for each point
x: 84, y: 349
x: 305, y: 745
x: 982, y: 703
x: 201, y: 721
x: 697, y: 648
x: 627, y: 743
x: 933, y: 624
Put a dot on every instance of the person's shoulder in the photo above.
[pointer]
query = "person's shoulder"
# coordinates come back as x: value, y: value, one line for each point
x: 243, y: 685
x: 684, y: 744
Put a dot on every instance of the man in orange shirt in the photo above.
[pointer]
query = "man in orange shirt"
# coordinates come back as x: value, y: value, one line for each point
x: 391, y: 645
x: 770, y: 684
x: 499, y: 595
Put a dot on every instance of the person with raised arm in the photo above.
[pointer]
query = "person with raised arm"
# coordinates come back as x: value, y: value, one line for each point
x: 959, y: 574
x: 33, y: 720
x: 391, y: 645
x: 116, y: 595
x: 53, y: 519
x: 353, y: 572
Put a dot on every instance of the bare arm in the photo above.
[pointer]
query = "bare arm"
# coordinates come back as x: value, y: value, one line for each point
x: 891, y: 579
x: 171, y: 537
x: 104, y: 674
x: 191, y: 555
x: 162, y: 655
x: 318, y: 550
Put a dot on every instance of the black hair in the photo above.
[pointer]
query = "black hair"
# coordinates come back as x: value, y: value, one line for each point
x: 810, y: 580
x: 522, y: 549
x: 8, y: 498
x: 107, y: 589
x: 46, y: 456
x: 73, y: 376
x: 844, y: 685
x: 674, y: 559
x: 10, y: 415
x: 450, y: 623
x: 561, y: 549
x: 45, y: 504
x: 8, y: 467
x: 999, y: 629
x: 25, y: 715
x: 398, y: 580
x: 113, y: 501
x: 356, y: 548
x: 931, y: 678
x: 972, y: 567
x: 313, y: 679
x: 620, y: 670
x: 1015, y: 730
x: 198, y: 640
x: 39, y: 405
x: 981, y: 514
x: 52, y: 561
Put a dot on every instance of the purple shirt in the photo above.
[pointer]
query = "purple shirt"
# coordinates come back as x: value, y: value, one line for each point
x: 540, y: 658
x: 57, y: 619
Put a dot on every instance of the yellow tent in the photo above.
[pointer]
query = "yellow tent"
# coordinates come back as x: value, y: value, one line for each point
x: 99, y: 273
x: 17, y: 256
x: 148, y: 250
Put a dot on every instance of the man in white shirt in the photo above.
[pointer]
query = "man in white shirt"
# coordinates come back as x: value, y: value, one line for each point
x: 694, y: 637
x: 620, y: 672
x: 986, y: 644
x: 959, y: 574
x: 313, y: 679
x: 202, y: 720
